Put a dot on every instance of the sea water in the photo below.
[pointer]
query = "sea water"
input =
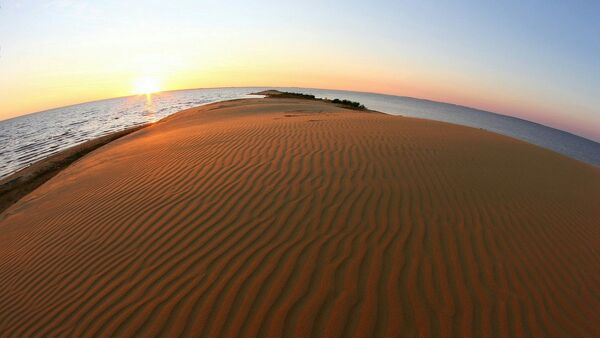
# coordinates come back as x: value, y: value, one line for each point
x: 27, y: 139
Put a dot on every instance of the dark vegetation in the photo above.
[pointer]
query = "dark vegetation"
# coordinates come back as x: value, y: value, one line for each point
x: 352, y: 104
x: 291, y: 95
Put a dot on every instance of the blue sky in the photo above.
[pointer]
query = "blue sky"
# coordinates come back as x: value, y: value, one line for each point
x: 537, y: 60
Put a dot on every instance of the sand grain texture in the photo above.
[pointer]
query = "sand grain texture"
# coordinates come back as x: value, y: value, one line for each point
x: 290, y: 218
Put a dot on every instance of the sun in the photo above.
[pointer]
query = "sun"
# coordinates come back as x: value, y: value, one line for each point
x: 146, y: 86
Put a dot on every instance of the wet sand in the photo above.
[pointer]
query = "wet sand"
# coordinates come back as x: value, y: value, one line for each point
x: 15, y: 186
x: 284, y: 217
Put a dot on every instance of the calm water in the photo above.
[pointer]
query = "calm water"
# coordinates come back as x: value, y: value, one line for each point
x: 27, y: 139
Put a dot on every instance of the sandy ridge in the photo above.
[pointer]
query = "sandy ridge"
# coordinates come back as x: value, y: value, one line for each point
x: 291, y: 218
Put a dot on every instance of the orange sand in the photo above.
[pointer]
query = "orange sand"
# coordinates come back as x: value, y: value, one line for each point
x: 282, y: 217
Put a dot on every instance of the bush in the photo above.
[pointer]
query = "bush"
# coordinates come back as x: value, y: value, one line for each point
x: 291, y: 95
x: 296, y: 95
x: 352, y: 104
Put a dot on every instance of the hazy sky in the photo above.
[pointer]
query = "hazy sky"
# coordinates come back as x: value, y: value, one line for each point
x: 538, y: 60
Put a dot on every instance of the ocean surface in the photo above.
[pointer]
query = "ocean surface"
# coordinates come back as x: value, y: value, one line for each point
x: 30, y: 138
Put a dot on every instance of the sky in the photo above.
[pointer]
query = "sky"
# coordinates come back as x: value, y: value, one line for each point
x: 537, y: 60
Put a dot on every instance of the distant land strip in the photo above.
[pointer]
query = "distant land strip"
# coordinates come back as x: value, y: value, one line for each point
x: 290, y: 95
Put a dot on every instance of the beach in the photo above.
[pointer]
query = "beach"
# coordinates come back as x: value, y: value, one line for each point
x: 288, y: 217
x: 15, y: 186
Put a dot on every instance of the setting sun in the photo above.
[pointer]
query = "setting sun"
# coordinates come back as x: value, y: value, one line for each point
x: 146, y: 85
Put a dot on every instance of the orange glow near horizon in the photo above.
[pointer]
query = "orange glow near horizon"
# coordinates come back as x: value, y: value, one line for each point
x: 410, y: 84
x: 327, y: 73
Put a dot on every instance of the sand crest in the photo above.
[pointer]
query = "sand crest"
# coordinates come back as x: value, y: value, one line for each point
x: 283, y: 217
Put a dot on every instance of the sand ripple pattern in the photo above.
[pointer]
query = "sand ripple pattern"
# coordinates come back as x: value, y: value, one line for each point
x: 283, y: 218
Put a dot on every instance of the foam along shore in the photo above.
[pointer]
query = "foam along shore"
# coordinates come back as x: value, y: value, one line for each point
x: 290, y: 217
x: 15, y: 186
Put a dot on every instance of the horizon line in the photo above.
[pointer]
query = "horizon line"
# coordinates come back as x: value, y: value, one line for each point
x: 330, y: 89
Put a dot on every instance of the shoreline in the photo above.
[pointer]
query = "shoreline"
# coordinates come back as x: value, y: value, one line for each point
x: 561, y: 141
x: 20, y: 183
x: 24, y: 181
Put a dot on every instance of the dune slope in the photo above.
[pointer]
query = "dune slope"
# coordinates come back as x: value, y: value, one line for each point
x: 282, y: 217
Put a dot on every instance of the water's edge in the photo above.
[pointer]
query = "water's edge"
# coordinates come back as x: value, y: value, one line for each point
x: 19, y: 184
x: 27, y: 139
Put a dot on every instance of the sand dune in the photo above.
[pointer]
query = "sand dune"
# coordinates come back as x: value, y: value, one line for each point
x: 281, y: 217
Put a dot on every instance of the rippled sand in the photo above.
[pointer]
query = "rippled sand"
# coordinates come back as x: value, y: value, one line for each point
x: 275, y: 217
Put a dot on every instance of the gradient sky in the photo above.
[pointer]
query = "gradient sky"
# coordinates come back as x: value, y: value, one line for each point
x: 538, y: 60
